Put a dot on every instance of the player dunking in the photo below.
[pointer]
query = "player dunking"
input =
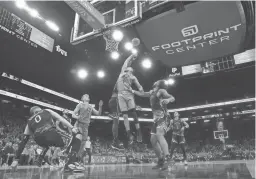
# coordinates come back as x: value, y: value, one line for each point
x: 41, y: 125
x: 178, y: 126
x: 126, y: 98
x: 159, y: 98
x: 83, y: 113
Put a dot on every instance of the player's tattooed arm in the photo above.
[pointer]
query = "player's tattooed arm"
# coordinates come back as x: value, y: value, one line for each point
x: 167, y: 98
x: 142, y: 94
x: 76, y: 111
x: 58, y: 126
x: 60, y: 118
x: 22, y: 144
x: 185, y: 124
x: 27, y: 131
x: 98, y: 113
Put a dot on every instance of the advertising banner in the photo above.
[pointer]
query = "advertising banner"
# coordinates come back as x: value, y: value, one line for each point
x: 15, y: 26
x: 191, y: 69
x: 108, y: 159
x: 245, y: 57
x: 204, y: 31
x: 175, y: 71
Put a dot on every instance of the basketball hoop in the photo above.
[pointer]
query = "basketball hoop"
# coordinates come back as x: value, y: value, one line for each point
x: 111, y: 44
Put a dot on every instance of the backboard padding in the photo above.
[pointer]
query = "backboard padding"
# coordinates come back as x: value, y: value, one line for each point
x: 120, y: 13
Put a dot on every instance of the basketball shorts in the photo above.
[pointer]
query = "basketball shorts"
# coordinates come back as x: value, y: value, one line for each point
x: 161, y: 121
x: 51, y: 138
x: 178, y: 139
x: 83, y: 129
x: 86, y: 152
x: 126, y: 102
x: 113, y: 105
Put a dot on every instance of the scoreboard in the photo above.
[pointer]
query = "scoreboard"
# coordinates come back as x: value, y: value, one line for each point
x: 14, y: 25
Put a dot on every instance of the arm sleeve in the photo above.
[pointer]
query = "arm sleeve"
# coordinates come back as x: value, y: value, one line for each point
x: 21, y: 147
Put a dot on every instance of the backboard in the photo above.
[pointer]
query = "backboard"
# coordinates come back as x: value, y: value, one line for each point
x: 220, y: 134
x: 116, y: 13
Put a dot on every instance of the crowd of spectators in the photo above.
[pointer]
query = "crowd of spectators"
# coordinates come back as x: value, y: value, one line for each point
x: 235, y: 150
x: 11, y: 133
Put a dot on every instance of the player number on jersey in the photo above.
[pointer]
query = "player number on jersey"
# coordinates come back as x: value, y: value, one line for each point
x: 37, y: 118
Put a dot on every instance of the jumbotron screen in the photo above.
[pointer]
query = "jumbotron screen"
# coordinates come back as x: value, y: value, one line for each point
x: 203, y: 31
x: 15, y: 26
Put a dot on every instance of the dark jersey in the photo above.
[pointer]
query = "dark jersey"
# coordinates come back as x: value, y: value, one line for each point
x: 40, y: 120
x: 155, y: 102
x: 161, y: 117
x: 177, y: 125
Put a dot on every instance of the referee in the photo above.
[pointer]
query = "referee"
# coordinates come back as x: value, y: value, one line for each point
x: 88, y: 150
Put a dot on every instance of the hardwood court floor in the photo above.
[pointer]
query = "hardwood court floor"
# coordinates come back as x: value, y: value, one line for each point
x: 195, y: 170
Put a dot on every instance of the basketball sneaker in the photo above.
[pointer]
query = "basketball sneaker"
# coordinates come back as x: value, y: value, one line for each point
x: 167, y: 162
x: 117, y: 145
x: 14, y: 164
x: 74, y: 167
x: 159, y: 164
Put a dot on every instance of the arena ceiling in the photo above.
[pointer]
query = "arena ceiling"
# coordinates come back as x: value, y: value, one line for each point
x: 58, y: 73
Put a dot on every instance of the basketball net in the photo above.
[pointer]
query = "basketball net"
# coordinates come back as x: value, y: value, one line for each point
x: 111, y: 44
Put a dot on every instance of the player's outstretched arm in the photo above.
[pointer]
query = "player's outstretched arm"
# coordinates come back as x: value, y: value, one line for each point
x: 128, y: 62
x: 185, y: 124
x: 60, y: 118
x: 76, y: 111
x: 142, y: 94
x: 137, y: 84
x: 98, y: 113
x: 21, y: 146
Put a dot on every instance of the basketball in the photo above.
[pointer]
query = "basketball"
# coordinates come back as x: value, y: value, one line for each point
x: 135, y: 42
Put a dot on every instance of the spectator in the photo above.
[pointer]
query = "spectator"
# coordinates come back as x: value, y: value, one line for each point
x: 87, y: 150
x: 8, y: 154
